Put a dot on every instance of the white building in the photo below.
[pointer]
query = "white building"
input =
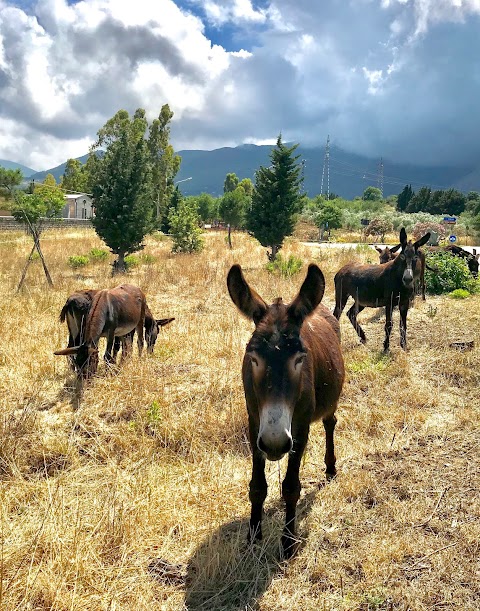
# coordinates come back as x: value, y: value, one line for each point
x: 78, y: 206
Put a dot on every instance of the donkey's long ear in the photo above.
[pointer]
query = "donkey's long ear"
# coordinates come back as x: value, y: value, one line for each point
x: 403, y: 237
x: 395, y: 248
x: 310, y: 295
x: 244, y: 297
x: 161, y: 322
x: 379, y: 250
x: 422, y: 241
x: 67, y: 351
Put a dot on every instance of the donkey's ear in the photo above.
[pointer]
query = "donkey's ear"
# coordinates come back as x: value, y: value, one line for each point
x: 403, y: 237
x: 66, y: 351
x: 379, y: 250
x: 395, y: 248
x: 161, y: 322
x: 244, y: 297
x: 422, y: 241
x: 310, y: 295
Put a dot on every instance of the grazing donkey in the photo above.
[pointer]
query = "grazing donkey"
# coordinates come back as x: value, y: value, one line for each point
x: 113, y: 313
x: 293, y: 374
x: 418, y: 265
x: 75, y: 312
x: 471, y: 259
x: 374, y: 286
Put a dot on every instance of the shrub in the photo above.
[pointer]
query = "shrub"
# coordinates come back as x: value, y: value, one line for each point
x: 379, y: 227
x: 459, y: 294
x: 98, y: 255
x: 131, y: 261
x: 285, y: 267
x: 147, y: 259
x: 420, y: 229
x: 77, y: 261
x: 451, y: 273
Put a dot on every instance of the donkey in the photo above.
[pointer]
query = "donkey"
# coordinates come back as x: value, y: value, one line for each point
x: 418, y: 265
x: 293, y: 374
x: 113, y: 313
x: 75, y: 312
x: 374, y: 286
x: 471, y: 259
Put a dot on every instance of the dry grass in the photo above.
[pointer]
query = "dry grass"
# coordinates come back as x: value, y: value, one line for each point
x: 138, y: 499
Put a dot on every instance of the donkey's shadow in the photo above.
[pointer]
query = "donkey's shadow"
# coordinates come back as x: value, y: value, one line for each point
x: 225, y: 573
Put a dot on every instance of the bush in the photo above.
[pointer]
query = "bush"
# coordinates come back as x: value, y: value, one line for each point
x: 147, y: 259
x: 98, y: 255
x: 451, y: 273
x: 131, y: 261
x: 285, y: 267
x: 77, y: 261
x: 459, y: 294
x: 420, y: 229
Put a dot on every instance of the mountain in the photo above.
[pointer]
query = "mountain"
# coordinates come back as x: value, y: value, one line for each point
x: 349, y: 173
x: 11, y: 165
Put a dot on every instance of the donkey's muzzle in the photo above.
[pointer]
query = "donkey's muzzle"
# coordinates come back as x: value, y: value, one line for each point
x: 275, y: 451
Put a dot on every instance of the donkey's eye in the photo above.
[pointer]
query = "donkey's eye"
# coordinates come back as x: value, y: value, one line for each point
x: 299, y: 360
x: 402, y: 257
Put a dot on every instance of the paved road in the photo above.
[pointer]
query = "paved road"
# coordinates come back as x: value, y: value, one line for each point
x: 328, y: 245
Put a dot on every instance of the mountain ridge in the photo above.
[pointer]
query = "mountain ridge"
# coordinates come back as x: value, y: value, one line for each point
x: 350, y: 173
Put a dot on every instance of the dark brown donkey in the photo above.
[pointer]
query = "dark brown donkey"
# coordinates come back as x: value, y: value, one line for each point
x: 375, y: 286
x: 418, y: 265
x: 113, y: 313
x: 293, y: 374
x: 75, y: 312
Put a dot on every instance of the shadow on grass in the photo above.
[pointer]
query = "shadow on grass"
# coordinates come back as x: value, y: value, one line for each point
x: 226, y: 573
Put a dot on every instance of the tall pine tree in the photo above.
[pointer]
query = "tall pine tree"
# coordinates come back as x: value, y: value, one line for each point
x: 122, y: 189
x: 276, y: 199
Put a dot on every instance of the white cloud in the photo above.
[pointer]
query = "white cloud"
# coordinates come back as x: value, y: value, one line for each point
x: 383, y: 77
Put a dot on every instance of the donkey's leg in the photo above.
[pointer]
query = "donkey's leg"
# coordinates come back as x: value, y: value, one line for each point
x: 117, y: 342
x: 403, y: 307
x: 140, y: 337
x: 127, y: 344
x: 388, y: 326
x: 291, y: 488
x: 341, y: 299
x: 108, y: 352
x: 330, y: 459
x: 352, y: 314
x: 258, y: 486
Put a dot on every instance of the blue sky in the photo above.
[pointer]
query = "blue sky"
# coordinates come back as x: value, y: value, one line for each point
x: 398, y: 79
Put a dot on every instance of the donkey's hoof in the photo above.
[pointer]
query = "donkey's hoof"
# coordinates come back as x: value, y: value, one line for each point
x: 290, y: 546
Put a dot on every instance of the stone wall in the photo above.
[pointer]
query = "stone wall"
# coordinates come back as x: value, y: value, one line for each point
x: 8, y: 223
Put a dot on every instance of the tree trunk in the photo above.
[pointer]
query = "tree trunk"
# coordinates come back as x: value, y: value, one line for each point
x: 229, y: 236
x: 118, y: 266
x: 24, y: 272
x: 45, y: 268
x: 273, y: 255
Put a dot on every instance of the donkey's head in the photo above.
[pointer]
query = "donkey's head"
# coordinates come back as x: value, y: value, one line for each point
x: 152, y: 329
x: 387, y: 254
x: 408, y: 256
x: 276, y: 359
x: 86, y: 358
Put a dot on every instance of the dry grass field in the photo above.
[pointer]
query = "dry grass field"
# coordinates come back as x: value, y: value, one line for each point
x: 138, y: 499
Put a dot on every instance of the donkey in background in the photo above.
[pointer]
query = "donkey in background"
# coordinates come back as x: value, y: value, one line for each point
x: 418, y: 265
x: 293, y: 374
x: 76, y: 310
x: 113, y: 313
x: 374, y: 286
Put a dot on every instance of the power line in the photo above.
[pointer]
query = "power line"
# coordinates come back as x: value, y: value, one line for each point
x: 326, y: 166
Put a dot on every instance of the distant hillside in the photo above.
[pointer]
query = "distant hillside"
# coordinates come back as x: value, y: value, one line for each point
x: 350, y: 174
x: 11, y: 165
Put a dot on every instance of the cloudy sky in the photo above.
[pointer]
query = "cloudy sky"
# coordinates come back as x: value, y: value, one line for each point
x: 392, y: 78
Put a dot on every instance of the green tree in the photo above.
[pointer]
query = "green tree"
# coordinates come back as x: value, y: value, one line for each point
x: 122, y: 186
x: 35, y: 211
x: 329, y: 216
x: 372, y: 194
x: 186, y: 234
x: 276, y: 199
x: 379, y: 227
x: 232, y: 209
x: 173, y: 205
x: 247, y: 186
x: 230, y: 183
x: 419, y: 202
x: 9, y: 180
x: 165, y: 163
x: 75, y: 176
x: 207, y: 206
x: 404, y: 198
